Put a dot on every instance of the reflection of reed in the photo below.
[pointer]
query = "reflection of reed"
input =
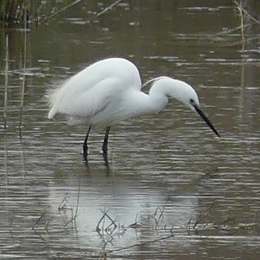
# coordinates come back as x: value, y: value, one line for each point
x: 24, y: 76
x: 6, y: 79
x: 247, y: 25
x: 242, y: 77
x: 244, y: 16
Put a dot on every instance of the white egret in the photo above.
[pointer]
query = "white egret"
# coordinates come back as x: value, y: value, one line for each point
x: 109, y: 91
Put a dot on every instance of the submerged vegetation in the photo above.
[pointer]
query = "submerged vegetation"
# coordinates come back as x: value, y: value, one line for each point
x: 38, y: 11
x: 18, y: 11
x: 27, y: 11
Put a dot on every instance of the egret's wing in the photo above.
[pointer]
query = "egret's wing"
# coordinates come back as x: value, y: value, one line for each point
x: 93, y: 95
x: 84, y: 101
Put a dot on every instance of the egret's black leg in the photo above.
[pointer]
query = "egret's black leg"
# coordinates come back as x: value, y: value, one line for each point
x: 85, y: 144
x: 104, y: 147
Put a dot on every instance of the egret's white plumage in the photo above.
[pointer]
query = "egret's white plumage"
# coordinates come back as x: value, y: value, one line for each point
x: 110, y: 90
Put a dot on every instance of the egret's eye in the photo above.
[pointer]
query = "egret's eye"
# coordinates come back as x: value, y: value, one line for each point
x: 192, y: 101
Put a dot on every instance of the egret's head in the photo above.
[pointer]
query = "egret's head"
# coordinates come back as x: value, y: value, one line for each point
x: 188, y: 96
x: 193, y: 103
x: 181, y: 91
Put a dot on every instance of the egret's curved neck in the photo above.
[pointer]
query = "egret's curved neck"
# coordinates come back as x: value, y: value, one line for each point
x: 165, y: 86
x: 158, y: 95
x: 157, y: 99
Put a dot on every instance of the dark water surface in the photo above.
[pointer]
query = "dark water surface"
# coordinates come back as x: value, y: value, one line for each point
x: 172, y: 190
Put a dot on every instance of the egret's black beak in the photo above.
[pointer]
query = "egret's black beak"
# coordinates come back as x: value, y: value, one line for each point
x: 204, y: 117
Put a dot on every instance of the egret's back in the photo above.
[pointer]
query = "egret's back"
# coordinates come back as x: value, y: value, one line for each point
x: 100, y: 87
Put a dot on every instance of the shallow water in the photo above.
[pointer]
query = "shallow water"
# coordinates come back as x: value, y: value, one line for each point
x: 172, y: 189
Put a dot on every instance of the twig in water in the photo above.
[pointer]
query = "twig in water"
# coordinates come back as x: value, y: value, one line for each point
x: 105, y: 10
x: 161, y: 211
x: 77, y: 207
x: 143, y: 244
x: 38, y: 220
x: 229, y: 31
x: 135, y: 225
x: 112, y: 223
x: 60, y: 207
x: 61, y: 10
x: 71, y: 220
x: 76, y: 211
x: 240, y: 9
x: 203, y: 215
x: 243, y: 10
x: 157, y: 219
